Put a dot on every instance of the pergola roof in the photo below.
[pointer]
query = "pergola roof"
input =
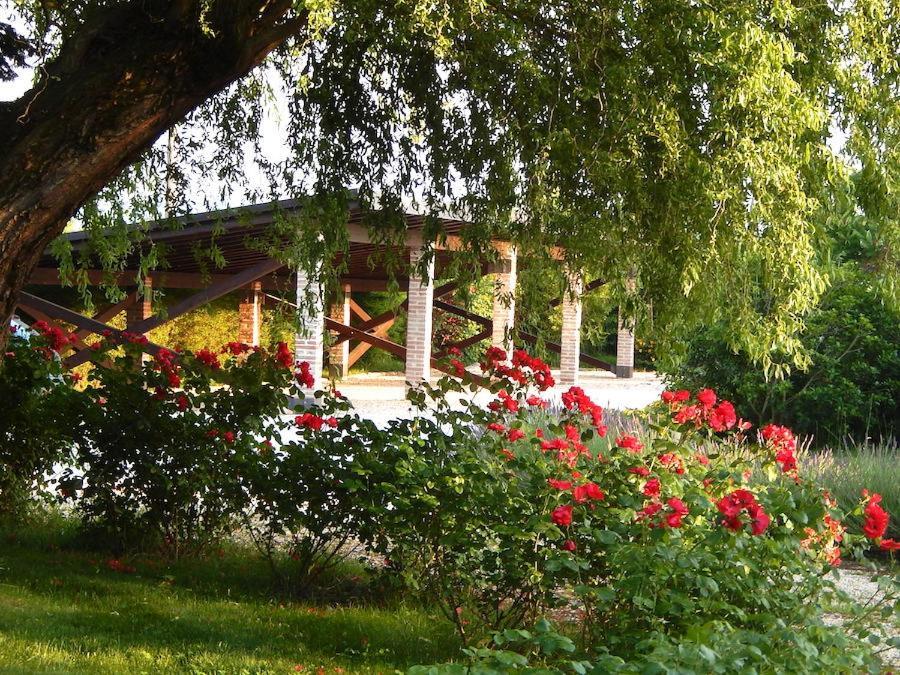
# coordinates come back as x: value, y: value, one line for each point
x: 233, y: 230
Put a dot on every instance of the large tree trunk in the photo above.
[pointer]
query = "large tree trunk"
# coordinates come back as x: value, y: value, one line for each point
x: 128, y: 74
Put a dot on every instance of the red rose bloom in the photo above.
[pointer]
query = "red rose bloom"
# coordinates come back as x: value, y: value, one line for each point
x: 629, y: 442
x: 722, y: 417
x: 877, y: 518
x: 707, y: 398
x: 639, y: 470
x: 515, y: 435
x: 559, y: 484
x: 208, y: 358
x: 651, y: 488
x: 678, y: 510
x: 562, y: 515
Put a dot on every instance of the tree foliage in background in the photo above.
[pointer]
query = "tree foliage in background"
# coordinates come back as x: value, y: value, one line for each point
x: 686, y: 143
x: 852, y: 337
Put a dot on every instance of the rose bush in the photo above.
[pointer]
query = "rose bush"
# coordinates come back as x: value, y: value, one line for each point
x: 167, y: 442
x: 701, y: 530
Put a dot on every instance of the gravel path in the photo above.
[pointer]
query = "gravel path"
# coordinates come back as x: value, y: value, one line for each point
x: 382, y: 396
x: 858, y: 584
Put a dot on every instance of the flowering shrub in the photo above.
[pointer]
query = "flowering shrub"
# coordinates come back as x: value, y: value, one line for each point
x: 314, y: 497
x: 695, y: 532
x: 166, y: 446
x: 36, y: 427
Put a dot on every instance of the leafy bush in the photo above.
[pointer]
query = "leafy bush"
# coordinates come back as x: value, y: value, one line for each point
x: 313, y: 498
x: 669, y: 545
x: 851, y: 388
x: 36, y: 428
x: 165, y: 444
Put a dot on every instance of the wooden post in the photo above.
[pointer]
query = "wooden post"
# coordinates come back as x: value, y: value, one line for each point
x: 339, y: 354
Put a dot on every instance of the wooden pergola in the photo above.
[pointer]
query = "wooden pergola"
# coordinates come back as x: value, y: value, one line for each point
x: 258, y: 277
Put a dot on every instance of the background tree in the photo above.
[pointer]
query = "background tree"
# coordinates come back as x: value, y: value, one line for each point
x: 686, y: 142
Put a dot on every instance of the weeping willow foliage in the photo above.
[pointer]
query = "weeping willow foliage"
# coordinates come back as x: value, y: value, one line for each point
x: 697, y: 146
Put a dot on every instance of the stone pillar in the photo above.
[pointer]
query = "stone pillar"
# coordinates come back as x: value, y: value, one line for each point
x: 308, y: 342
x: 250, y: 315
x: 419, y: 318
x: 625, y: 348
x: 570, y: 341
x: 339, y: 355
x: 505, y: 303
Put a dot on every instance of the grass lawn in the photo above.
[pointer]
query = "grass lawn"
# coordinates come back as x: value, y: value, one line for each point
x: 66, y: 610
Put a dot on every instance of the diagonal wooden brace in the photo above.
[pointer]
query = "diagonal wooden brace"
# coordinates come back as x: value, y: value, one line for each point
x: 54, y: 311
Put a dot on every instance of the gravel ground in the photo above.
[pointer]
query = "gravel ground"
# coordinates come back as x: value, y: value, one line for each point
x: 382, y: 396
x: 858, y: 584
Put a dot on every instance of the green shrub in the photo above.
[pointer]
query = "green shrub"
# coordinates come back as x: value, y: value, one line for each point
x: 313, y: 498
x: 37, y: 427
x: 688, y: 540
x: 166, y: 444
x: 851, y: 388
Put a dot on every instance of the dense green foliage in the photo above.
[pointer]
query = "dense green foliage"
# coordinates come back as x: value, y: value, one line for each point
x: 683, y: 543
x: 684, y: 143
x: 852, y: 385
x: 36, y: 416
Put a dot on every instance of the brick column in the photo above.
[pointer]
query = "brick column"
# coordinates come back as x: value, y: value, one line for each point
x: 625, y: 348
x: 142, y: 309
x: 419, y: 319
x: 308, y: 342
x: 250, y: 315
x: 505, y: 302
x: 339, y: 355
x: 570, y: 341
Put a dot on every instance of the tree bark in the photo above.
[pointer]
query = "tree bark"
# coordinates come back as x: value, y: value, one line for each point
x: 129, y: 73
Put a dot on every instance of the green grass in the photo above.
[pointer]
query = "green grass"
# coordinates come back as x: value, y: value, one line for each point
x: 847, y: 470
x: 65, y: 610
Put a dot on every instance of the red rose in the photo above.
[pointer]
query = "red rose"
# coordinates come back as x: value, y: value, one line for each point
x: 639, y: 470
x: 877, y: 518
x: 515, y: 434
x: 707, y: 398
x: 228, y: 436
x: 559, y: 484
x: 569, y: 545
x: 651, y: 488
x: 629, y: 442
x: 562, y: 515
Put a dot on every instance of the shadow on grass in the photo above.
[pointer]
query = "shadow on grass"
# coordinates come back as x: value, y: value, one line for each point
x: 218, y: 610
